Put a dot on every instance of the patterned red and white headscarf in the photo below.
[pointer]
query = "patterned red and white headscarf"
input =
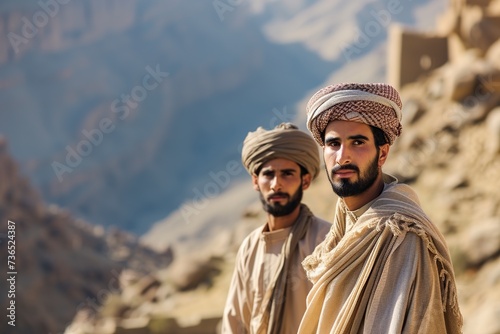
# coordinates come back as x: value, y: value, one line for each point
x: 375, y: 104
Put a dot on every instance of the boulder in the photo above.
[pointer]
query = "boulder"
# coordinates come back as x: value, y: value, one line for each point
x: 479, y: 29
x: 493, y: 125
x: 481, y: 242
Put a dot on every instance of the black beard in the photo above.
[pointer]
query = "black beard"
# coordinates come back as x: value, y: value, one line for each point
x: 278, y: 210
x: 346, y: 188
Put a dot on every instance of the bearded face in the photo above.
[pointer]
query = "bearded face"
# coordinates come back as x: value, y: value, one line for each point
x: 345, y: 187
x: 281, y: 208
x: 352, y: 158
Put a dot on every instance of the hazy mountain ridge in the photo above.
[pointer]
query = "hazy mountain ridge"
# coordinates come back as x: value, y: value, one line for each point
x: 51, y: 26
x: 215, y: 74
x: 79, y: 68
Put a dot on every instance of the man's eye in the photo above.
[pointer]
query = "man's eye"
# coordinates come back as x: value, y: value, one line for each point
x: 334, y: 144
x: 358, y: 142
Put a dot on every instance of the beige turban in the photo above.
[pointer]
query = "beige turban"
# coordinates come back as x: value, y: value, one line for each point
x: 375, y: 104
x: 284, y: 141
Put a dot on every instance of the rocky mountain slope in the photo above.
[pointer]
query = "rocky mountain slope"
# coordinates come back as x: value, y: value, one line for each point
x: 449, y: 152
x: 60, y: 264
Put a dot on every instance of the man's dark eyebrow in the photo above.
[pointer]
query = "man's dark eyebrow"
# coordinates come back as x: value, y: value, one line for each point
x: 267, y: 169
x: 357, y: 137
x: 288, y: 170
x: 271, y: 170
x: 331, y: 139
x: 353, y: 137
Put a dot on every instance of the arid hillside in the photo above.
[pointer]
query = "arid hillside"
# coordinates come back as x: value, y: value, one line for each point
x: 59, y: 265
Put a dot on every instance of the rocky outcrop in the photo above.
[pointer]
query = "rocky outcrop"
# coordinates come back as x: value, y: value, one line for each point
x: 466, y: 25
x: 450, y: 153
x: 185, y: 298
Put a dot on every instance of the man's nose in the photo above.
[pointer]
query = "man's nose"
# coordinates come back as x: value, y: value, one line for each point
x: 343, y: 156
x: 276, y: 184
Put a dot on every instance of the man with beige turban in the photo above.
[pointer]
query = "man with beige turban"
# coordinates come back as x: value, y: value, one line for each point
x: 269, y: 285
x: 384, y: 267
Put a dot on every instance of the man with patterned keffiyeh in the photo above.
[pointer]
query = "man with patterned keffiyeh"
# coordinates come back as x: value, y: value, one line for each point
x: 384, y: 267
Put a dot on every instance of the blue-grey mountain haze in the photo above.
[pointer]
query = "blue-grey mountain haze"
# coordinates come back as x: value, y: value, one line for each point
x: 225, y: 78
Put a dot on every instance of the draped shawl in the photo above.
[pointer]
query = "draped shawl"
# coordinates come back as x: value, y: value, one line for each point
x: 274, y: 299
x: 390, y: 273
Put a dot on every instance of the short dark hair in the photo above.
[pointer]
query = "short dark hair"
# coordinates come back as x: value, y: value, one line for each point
x: 303, y: 170
x: 378, y: 136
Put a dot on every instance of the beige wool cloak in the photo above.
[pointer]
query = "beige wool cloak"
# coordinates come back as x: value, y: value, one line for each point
x: 389, y: 272
x: 254, y: 300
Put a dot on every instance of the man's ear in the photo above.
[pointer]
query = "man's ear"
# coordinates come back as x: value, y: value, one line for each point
x: 306, y: 181
x: 255, y: 182
x: 383, y: 154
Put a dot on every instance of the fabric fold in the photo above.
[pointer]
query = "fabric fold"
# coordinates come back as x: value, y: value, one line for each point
x: 274, y: 300
x: 354, y: 271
